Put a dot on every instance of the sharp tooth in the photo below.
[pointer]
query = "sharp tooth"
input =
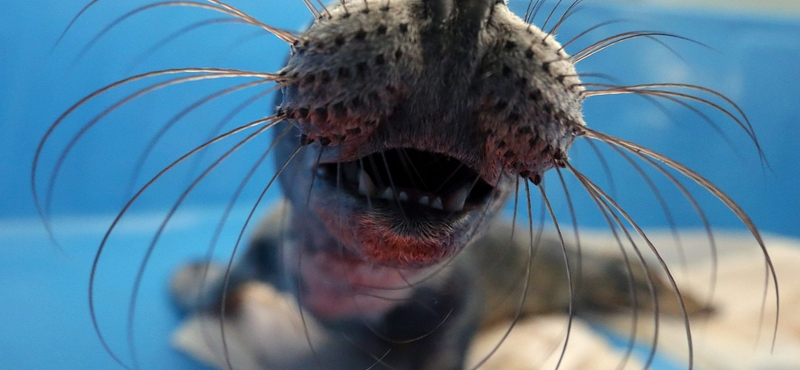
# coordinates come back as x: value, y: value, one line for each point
x: 425, y: 201
x: 403, y: 197
x: 456, y: 201
x: 387, y: 194
x: 365, y: 185
x: 437, y: 203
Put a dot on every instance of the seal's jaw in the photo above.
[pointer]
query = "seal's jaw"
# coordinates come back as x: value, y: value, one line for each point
x: 403, y: 208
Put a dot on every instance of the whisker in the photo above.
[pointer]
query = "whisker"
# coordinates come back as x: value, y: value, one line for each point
x: 75, y: 138
x: 220, y: 125
x: 743, y: 122
x: 536, y: 7
x: 590, y: 30
x: 232, y: 202
x: 570, y: 283
x: 625, y: 36
x: 298, y: 290
x: 151, y: 247
x: 575, y: 229
x: 568, y: 13
x: 394, y: 188
x: 45, y: 138
x: 312, y: 8
x: 606, y: 168
x: 283, y: 35
x: 552, y: 11
x: 183, y: 31
x: 658, y: 257
x: 72, y: 23
x: 606, y: 210
x: 229, y: 267
x: 663, y: 203
x: 698, y: 209
x: 526, y: 285
x: 137, y: 168
x: 124, y: 210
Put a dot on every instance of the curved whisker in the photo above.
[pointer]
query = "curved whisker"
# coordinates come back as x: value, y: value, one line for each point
x: 72, y: 23
x: 602, y: 202
x: 157, y: 235
x: 743, y: 122
x: 552, y: 11
x: 127, y: 206
x: 181, y: 32
x: 147, y: 7
x: 75, y: 138
x: 137, y: 168
x: 525, y: 288
x: 590, y: 30
x: 570, y: 282
x: 625, y: 36
x: 641, y: 151
x: 571, y: 10
x: 45, y: 138
x: 663, y: 203
x: 245, y: 224
x: 698, y: 209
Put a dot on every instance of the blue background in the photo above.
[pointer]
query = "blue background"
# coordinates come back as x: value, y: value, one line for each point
x: 44, y: 319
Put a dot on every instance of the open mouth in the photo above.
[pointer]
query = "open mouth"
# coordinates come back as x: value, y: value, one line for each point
x: 411, y: 179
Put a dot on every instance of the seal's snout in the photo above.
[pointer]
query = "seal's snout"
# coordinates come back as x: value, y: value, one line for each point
x: 418, y: 120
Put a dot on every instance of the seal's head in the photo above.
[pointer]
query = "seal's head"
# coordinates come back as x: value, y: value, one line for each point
x: 418, y: 118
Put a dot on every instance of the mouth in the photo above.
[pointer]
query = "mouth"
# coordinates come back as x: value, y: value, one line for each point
x: 401, y: 208
x: 409, y: 180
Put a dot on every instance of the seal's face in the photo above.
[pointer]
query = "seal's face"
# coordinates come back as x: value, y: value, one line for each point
x: 418, y: 120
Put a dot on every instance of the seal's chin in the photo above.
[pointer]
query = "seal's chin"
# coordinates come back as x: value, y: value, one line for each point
x: 402, y: 207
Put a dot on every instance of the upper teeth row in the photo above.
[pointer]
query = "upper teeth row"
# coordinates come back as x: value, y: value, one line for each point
x: 452, y: 203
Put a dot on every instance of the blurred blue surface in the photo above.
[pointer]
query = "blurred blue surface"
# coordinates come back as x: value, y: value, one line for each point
x: 44, y: 315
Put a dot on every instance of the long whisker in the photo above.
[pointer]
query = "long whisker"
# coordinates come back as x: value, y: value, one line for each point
x: 625, y: 36
x: 124, y: 210
x: 575, y: 230
x: 699, y: 210
x: 312, y: 8
x: 137, y: 168
x: 607, y: 210
x: 663, y: 203
x: 589, y: 30
x: 219, y: 126
x: 283, y: 35
x: 151, y: 247
x: 183, y: 31
x: 213, y: 242
x: 213, y: 72
x: 286, y: 36
x: 72, y: 23
x: 658, y: 257
x: 228, y: 269
x: 570, y: 283
x: 526, y: 286
x: 569, y: 12
x: 642, y: 151
x: 75, y: 138
x: 743, y: 122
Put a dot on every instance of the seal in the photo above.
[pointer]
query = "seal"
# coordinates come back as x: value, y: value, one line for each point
x: 402, y: 128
